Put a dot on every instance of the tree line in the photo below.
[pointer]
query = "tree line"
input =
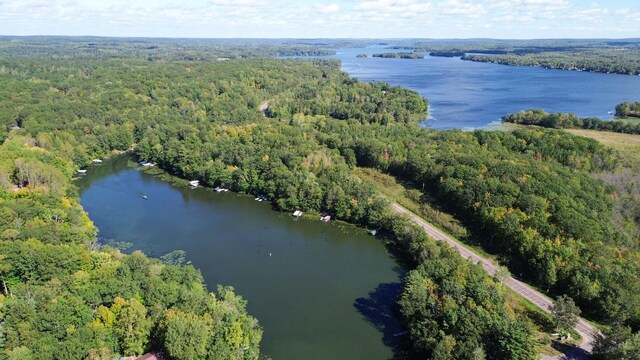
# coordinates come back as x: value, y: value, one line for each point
x: 594, y: 55
x: 628, y: 109
x: 152, y: 49
x: 626, y: 62
x: 399, y: 55
x: 572, y: 121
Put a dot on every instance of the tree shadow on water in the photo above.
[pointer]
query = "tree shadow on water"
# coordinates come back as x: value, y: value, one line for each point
x: 379, y: 308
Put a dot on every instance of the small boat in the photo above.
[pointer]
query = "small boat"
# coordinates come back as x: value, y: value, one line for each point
x: 325, y: 218
x: 82, y: 172
x: 147, y: 163
x: 373, y: 232
x: 97, y: 161
x: 221, y: 189
x: 145, y: 197
x: 194, y: 183
x: 610, y: 112
x: 297, y: 213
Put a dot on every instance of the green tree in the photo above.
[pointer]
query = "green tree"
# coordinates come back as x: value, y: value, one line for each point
x: 186, y: 336
x: 445, y: 348
x: 616, y: 343
x: 131, y: 327
x: 502, y: 273
x: 511, y: 340
x: 565, y: 312
x: 5, y: 267
x: 20, y: 353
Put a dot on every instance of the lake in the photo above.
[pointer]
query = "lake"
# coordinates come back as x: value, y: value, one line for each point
x: 469, y: 95
x: 320, y: 290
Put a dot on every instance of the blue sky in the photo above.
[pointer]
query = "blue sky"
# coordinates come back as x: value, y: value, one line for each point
x: 311, y: 19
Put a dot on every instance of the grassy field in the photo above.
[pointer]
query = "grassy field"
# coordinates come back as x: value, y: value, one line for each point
x: 630, y: 120
x: 626, y: 180
x: 413, y: 199
x: 627, y: 145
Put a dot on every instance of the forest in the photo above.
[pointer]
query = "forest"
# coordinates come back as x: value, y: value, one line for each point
x: 292, y: 130
x: 595, y: 55
x: 101, y: 48
x: 615, y: 61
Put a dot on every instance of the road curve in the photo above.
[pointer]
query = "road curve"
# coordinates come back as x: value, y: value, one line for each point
x: 585, y: 329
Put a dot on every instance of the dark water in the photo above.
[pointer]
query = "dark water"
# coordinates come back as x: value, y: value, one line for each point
x: 320, y: 290
x: 469, y: 95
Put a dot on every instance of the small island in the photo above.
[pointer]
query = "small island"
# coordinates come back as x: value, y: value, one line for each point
x: 447, y: 53
x: 400, y: 55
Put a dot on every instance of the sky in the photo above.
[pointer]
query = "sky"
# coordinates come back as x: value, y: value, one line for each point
x: 514, y: 19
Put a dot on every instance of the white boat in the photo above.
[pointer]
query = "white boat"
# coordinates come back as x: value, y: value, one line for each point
x: 297, y: 213
x: 82, y: 172
x: 194, y: 183
x: 97, y: 161
x: 221, y: 189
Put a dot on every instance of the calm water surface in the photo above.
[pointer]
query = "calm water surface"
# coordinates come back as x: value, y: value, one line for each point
x: 321, y: 291
x: 469, y: 95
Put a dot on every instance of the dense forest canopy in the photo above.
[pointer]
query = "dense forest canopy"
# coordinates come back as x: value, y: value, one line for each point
x: 89, y: 47
x: 292, y: 130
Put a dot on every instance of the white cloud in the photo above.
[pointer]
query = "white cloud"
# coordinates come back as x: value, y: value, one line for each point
x: 319, y: 18
x: 393, y: 6
x: 327, y: 9
x: 456, y: 7
x: 590, y: 15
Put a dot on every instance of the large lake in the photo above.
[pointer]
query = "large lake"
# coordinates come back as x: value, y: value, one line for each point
x: 320, y: 290
x: 469, y: 95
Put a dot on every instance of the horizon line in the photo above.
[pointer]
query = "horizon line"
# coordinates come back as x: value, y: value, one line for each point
x: 311, y: 38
